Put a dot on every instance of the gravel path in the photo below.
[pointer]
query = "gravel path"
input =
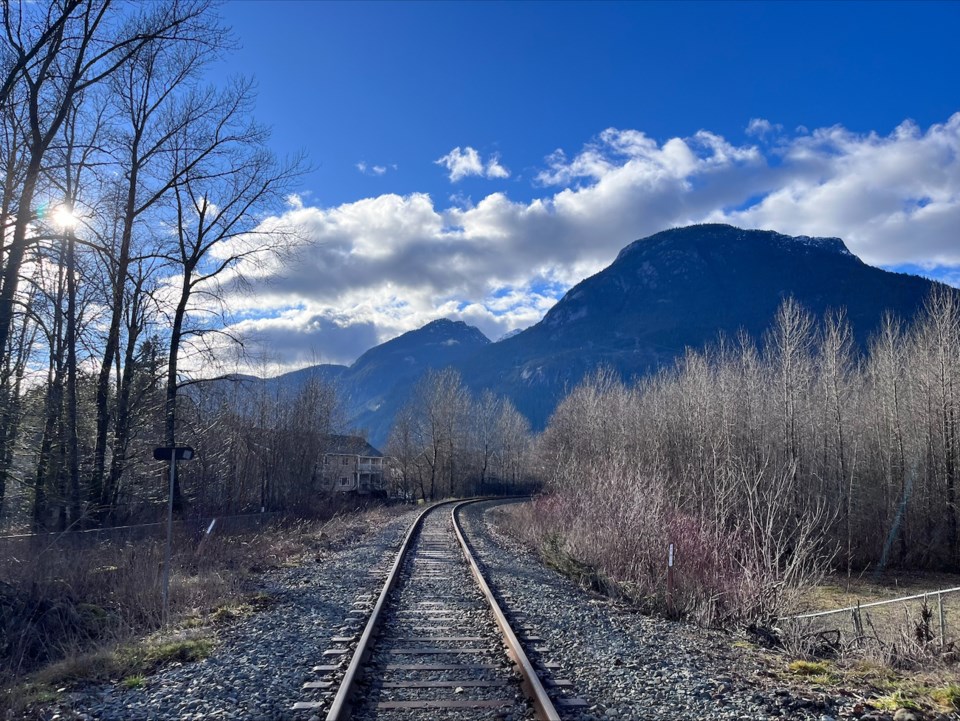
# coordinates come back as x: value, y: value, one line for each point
x: 257, y: 671
x: 625, y: 665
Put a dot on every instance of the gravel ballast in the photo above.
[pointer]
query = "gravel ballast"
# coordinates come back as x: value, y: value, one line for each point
x: 622, y: 665
x: 260, y: 664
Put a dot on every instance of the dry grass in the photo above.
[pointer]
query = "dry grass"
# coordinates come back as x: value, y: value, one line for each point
x: 906, y: 634
x: 71, y: 616
x: 837, y: 590
x: 893, y: 660
x: 879, y: 687
x: 126, y: 664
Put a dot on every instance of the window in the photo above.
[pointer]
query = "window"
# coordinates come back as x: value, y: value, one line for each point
x: 346, y: 461
x: 343, y: 481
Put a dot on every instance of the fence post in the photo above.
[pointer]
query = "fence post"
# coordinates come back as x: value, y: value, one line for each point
x: 858, y: 624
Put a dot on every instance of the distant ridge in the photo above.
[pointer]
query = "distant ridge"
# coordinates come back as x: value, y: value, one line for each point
x: 674, y: 289
x: 679, y: 288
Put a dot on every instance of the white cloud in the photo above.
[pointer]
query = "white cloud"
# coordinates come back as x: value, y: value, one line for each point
x: 760, y: 127
x: 461, y: 163
x: 380, y: 266
x: 465, y: 163
x: 367, y: 169
x: 495, y: 170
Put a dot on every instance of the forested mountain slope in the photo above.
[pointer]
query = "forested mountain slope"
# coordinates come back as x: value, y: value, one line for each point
x: 675, y: 289
x: 680, y: 288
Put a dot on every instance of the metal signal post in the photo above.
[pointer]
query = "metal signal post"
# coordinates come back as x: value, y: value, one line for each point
x: 172, y: 454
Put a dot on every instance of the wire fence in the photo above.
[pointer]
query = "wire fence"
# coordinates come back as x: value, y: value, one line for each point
x: 927, y: 618
x: 35, y: 542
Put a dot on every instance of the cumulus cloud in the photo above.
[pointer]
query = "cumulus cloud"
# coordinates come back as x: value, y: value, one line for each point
x: 380, y: 266
x: 464, y: 163
x: 495, y: 170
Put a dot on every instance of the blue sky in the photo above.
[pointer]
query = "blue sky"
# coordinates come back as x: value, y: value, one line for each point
x: 474, y: 160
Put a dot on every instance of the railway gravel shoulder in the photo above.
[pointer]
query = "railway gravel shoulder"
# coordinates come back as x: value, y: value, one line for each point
x: 263, y: 660
x: 626, y: 665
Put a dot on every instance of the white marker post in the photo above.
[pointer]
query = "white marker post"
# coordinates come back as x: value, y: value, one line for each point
x: 172, y: 454
x: 670, y: 579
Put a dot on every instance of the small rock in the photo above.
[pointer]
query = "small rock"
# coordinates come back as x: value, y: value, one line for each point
x: 905, y: 714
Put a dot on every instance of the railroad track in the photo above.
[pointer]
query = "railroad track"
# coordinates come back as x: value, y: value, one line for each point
x: 434, y: 644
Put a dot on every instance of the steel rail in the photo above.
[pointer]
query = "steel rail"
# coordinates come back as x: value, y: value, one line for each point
x: 531, y: 684
x: 340, y: 709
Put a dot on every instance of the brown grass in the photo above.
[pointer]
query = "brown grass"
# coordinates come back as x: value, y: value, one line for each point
x: 71, y: 615
x: 886, y: 662
x: 905, y: 634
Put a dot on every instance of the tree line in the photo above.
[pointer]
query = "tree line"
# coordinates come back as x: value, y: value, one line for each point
x: 758, y: 458
x: 132, y: 193
x: 445, y: 442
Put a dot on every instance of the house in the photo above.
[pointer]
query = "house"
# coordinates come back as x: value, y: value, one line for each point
x: 352, y: 464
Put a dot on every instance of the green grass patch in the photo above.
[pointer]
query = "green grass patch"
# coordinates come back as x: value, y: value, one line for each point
x: 809, y: 668
x: 152, y: 656
x: 128, y: 664
x: 227, y: 613
x: 814, y: 672
x: 947, y: 696
x: 896, y: 700
x: 135, y: 681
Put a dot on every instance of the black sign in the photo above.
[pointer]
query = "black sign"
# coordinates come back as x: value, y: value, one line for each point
x: 180, y: 453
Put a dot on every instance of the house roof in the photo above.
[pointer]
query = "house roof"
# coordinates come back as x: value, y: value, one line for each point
x: 351, y: 446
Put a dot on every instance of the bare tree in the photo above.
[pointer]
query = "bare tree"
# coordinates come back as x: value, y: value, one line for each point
x: 158, y: 98
x: 789, y: 348
x: 219, y: 223
x: 836, y: 367
x: 887, y: 372
x: 938, y: 339
x: 59, y: 52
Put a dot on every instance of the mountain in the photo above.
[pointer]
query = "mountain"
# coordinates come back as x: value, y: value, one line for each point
x: 295, y: 380
x: 674, y: 289
x: 379, y: 381
x: 681, y: 288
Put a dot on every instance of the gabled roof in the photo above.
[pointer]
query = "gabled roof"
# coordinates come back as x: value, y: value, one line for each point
x: 351, y: 446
